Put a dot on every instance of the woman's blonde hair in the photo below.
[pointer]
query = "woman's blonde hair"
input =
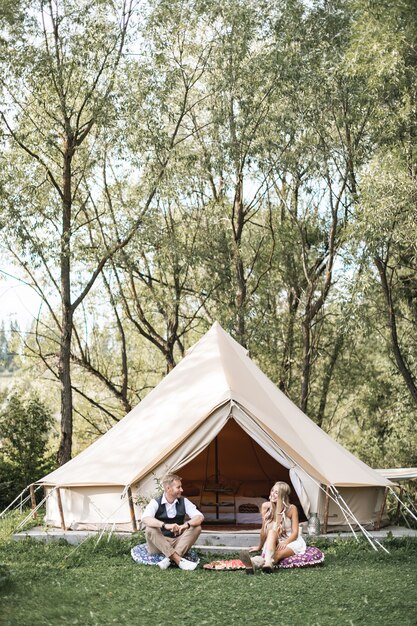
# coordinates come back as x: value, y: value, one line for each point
x: 282, y: 503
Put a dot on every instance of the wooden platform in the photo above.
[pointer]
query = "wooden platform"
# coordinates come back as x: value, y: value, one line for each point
x: 211, y: 540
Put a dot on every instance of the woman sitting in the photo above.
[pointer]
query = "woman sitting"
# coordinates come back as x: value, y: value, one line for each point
x: 279, y: 536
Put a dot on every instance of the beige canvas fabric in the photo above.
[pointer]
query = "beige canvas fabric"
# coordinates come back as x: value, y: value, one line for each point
x: 399, y: 474
x: 174, y: 426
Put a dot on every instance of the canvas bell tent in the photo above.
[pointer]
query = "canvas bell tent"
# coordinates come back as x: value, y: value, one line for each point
x: 221, y: 424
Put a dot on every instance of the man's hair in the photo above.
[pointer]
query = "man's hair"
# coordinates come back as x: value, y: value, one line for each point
x: 168, y: 479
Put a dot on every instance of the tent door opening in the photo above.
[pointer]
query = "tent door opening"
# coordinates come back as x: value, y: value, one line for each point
x: 231, y: 478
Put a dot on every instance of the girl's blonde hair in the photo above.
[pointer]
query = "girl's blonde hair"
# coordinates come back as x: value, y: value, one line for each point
x: 282, y: 503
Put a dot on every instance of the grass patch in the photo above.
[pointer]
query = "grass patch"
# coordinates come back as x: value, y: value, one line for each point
x: 57, y: 584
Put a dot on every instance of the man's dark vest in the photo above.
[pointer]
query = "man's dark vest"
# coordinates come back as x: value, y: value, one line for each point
x: 162, y: 516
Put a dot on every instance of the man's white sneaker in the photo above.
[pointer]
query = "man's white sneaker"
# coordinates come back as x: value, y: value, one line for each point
x: 165, y: 563
x: 187, y: 565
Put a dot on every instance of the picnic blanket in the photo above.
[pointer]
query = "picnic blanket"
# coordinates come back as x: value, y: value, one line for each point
x: 220, y: 566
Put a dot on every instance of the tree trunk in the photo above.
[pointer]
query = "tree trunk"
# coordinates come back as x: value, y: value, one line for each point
x: 306, y: 367
x: 169, y: 357
x: 286, y: 362
x: 241, y: 288
x: 64, y: 366
x: 392, y: 323
x: 64, y: 372
x: 338, y: 344
x: 240, y: 302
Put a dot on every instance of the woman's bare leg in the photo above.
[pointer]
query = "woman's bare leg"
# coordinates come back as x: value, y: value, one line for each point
x: 282, y: 554
x: 269, y: 550
x: 271, y: 541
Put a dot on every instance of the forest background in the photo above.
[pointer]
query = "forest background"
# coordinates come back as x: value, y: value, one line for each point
x: 165, y: 164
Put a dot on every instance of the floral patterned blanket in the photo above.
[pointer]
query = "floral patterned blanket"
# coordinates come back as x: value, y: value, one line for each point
x: 141, y: 555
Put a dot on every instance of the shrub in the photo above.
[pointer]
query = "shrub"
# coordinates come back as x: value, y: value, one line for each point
x: 24, y: 428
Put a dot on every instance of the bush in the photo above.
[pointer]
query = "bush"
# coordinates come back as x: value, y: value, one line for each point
x: 5, y: 577
x: 24, y: 429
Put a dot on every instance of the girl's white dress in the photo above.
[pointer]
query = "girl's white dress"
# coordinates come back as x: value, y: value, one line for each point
x: 298, y: 546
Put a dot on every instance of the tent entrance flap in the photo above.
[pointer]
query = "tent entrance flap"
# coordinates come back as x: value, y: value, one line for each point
x: 228, y: 457
x: 232, y: 476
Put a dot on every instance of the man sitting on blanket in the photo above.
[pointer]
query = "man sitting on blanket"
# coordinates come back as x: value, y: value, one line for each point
x: 166, y: 531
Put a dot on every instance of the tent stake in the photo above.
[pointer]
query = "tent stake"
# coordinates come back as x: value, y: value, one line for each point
x: 60, y: 509
x: 33, y: 500
x: 132, y: 510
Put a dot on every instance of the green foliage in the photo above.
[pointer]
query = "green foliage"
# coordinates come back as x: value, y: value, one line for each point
x: 232, y: 144
x: 11, y: 520
x: 5, y: 576
x: 24, y: 428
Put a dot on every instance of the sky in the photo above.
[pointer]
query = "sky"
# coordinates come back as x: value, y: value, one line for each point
x: 18, y: 302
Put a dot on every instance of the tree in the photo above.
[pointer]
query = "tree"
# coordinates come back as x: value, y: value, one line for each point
x: 58, y: 87
x: 152, y: 275
x: 388, y: 187
x: 25, y: 425
x: 246, y: 162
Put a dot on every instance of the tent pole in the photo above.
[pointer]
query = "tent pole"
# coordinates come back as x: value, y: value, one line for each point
x: 368, y: 536
x: 60, y: 509
x: 409, y: 511
x: 216, y: 470
x: 326, y: 510
x: 216, y: 459
x: 381, y: 512
x: 132, y: 509
x: 22, y: 524
x: 33, y: 500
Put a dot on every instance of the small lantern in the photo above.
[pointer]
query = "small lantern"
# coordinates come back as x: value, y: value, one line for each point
x: 313, y: 527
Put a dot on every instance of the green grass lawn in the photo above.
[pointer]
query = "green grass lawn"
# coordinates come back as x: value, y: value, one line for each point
x: 56, y: 584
